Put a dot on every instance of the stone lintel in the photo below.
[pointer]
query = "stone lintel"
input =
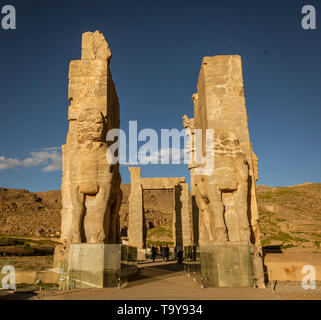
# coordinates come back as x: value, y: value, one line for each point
x: 161, y: 183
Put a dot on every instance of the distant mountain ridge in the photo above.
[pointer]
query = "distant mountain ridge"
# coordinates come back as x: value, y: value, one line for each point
x: 289, y: 216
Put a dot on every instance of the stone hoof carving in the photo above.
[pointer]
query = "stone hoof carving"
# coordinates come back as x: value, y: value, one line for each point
x: 75, y: 237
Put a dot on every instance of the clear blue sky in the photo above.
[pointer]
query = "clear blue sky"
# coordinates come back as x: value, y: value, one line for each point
x: 157, y: 49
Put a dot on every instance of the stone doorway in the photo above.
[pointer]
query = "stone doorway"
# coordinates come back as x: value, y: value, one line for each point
x: 182, y: 226
x: 159, y: 216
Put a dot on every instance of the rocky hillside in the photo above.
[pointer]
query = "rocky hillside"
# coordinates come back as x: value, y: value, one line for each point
x: 158, y: 209
x: 26, y: 213
x: 38, y: 214
x: 289, y: 216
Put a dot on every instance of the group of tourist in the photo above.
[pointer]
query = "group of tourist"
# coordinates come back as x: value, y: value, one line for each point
x: 164, y: 252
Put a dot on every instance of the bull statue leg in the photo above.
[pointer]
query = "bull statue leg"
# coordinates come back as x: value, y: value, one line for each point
x: 102, y: 214
x: 217, y: 210
x: 78, y: 210
x: 241, y: 202
x: 114, y: 218
x: 203, y: 202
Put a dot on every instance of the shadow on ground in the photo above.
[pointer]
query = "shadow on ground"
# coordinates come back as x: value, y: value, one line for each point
x: 8, y: 295
x: 149, y: 272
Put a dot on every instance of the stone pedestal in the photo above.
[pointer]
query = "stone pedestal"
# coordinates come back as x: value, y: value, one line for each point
x: 98, y: 265
x: 227, y: 264
x: 141, y: 254
x: 94, y: 265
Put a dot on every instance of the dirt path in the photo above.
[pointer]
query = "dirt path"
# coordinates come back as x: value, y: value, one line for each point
x: 166, y: 281
x: 163, y: 281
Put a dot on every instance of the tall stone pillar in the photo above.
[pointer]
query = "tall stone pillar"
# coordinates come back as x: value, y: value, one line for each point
x: 91, y: 194
x: 177, y: 221
x: 187, y: 235
x: 182, y: 223
x: 191, y: 148
x: 176, y: 211
x: 136, y: 220
x: 226, y: 196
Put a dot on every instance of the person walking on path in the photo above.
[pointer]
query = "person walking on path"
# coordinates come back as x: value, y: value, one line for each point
x: 164, y: 253
x: 179, y: 254
x: 154, y: 253
x: 167, y: 253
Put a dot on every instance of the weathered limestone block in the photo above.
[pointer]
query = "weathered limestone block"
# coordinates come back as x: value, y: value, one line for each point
x: 186, y: 218
x: 94, y: 265
x: 226, y: 198
x: 91, y: 194
x: 226, y: 264
x: 88, y: 68
x: 82, y: 87
x: 135, y: 218
x: 94, y: 46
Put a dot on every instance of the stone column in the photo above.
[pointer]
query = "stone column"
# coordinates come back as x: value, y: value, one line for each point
x: 174, y: 216
x: 178, y: 239
x: 135, y: 219
x: 186, y: 216
x: 182, y: 224
x: 228, y: 215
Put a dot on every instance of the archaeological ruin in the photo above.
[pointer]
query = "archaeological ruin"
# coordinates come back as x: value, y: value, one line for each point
x: 181, y: 222
x: 226, y: 199
x: 218, y: 217
x: 91, y: 195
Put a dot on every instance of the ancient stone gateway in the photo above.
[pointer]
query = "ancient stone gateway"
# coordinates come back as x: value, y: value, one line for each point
x: 226, y: 199
x: 91, y: 194
x: 220, y: 214
x: 182, y: 225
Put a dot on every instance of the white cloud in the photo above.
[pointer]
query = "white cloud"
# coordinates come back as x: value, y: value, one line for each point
x: 8, y: 163
x: 51, y: 158
x: 173, y: 155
